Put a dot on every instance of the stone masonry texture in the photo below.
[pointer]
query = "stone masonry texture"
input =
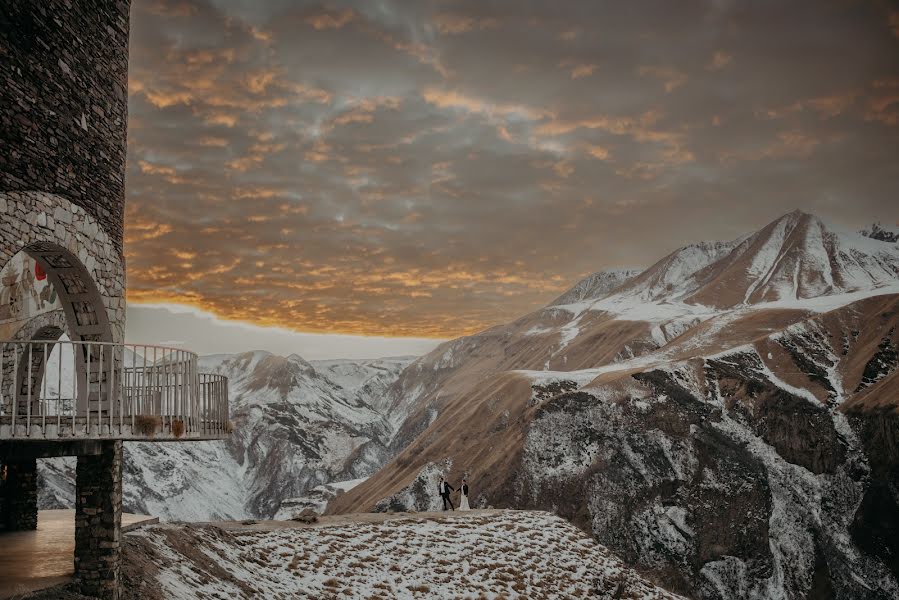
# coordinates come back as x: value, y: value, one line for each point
x: 36, y: 219
x: 64, y: 103
x: 98, y: 519
x: 20, y: 495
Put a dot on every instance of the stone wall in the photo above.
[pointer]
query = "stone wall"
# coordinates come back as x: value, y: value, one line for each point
x: 20, y: 495
x: 36, y: 219
x: 64, y: 103
x: 98, y: 519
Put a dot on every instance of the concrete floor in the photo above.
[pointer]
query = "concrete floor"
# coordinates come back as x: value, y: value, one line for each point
x: 33, y: 560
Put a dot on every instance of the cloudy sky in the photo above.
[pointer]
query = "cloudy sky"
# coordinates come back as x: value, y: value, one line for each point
x: 426, y: 169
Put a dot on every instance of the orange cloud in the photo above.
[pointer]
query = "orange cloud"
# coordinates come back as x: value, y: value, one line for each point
x: 831, y: 106
x: 720, y: 60
x: 261, y: 34
x: 330, y: 20
x: 791, y: 144
x: 259, y: 81
x: 472, y: 104
x: 163, y: 99
x: 168, y: 8
x: 671, y: 78
x: 141, y: 229
x: 221, y: 119
x: 579, y: 71
x: 212, y: 142
x: 563, y: 169
x: 449, y: 24
x: 826, y: 106
x: 146, y: 167
x: 598, y: 152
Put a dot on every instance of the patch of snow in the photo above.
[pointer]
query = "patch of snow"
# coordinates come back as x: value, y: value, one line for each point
x: 497, y: 554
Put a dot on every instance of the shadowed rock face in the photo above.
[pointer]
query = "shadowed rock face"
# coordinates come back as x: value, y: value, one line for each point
x: 801, y: 432
x: 714, y: 498
x: 657, y: 483
x: 882, y: 363
x: 875, y: 524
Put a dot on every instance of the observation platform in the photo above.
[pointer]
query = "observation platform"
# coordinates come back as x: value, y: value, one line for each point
x: 58, y: 391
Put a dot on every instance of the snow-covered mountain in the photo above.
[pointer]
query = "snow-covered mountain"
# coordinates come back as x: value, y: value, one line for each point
x: 298, y: 425
x: 724, y: 420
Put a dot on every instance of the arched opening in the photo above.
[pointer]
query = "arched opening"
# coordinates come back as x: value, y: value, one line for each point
x: 47, y: 293
x: 65, y: 371
x: 77, y: 292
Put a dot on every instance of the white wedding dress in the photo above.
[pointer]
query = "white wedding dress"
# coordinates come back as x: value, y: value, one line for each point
x: 463, y: 501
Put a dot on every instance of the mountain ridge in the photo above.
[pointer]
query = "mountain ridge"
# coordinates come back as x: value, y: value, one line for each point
x: 739, y: 355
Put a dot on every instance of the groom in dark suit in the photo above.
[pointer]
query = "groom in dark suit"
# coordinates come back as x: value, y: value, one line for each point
x: 445, y: 489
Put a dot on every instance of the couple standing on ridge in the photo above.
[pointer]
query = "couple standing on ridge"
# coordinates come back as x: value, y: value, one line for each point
x: 445, y: 488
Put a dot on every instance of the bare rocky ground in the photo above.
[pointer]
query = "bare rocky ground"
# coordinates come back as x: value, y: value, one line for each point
x: 480, y: 554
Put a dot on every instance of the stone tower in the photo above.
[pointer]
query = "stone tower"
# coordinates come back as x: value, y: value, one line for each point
x: 63, y: 127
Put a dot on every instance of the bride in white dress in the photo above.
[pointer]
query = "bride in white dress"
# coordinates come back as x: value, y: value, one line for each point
x: 463, y: 492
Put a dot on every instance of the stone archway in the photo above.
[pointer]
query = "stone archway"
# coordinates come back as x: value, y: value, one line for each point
x: 82, y: 304
x: 84, y: 268
x: 83, y: 318
x: 88, y: 263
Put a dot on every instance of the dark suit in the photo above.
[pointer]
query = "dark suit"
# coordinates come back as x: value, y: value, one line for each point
x: 445, y: 489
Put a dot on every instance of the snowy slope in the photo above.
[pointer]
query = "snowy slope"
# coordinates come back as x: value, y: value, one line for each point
x: 596, y: 285
x: 507, y: 554
x: 316, y: 499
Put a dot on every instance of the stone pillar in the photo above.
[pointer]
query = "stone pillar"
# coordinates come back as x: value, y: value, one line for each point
x: 20, y: 495
x: 98, y: 522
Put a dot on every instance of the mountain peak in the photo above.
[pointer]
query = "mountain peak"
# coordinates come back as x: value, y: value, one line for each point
x: 595, y: 286
x: 795, y: 257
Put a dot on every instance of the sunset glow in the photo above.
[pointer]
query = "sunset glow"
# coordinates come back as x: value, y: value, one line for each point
x: 428, y: 170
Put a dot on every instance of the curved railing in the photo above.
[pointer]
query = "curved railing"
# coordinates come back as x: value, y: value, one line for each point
x: 75, y: 389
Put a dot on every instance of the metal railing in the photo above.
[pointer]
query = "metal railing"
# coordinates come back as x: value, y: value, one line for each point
x: 76, y: 389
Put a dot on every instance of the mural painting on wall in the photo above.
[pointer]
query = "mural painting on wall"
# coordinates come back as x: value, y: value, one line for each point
x: 25, y: 292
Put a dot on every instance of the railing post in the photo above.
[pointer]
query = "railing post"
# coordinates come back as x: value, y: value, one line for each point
x: 15, y: 388
x: 59, y: 390
x: 43, y: 392
x: 2, y: 380
x: 99, y: 393
x: 75, y: 386
x: 28, y: 405
x: 87, y: 390
x: 122, y: 389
